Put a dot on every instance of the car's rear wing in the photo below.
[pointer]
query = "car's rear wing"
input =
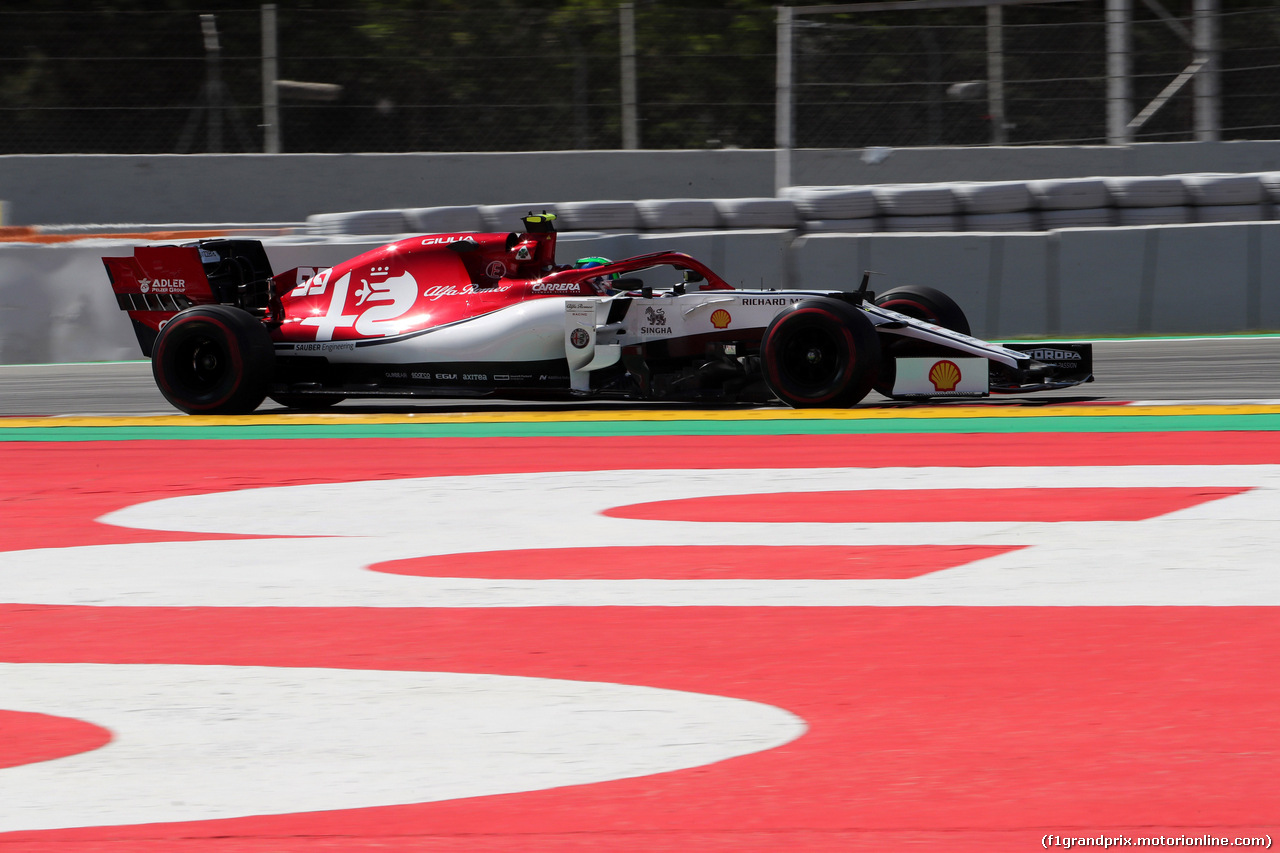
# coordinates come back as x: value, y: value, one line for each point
x: 157, y: 282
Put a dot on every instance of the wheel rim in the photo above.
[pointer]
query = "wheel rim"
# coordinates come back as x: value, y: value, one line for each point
x: 810, y: 358
x: 202, y: 364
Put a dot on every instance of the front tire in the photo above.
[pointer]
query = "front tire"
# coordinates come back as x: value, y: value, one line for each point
x: 926, y: 303
x: 820, y: 352
x: 922, y: 303
x: 213, y: 360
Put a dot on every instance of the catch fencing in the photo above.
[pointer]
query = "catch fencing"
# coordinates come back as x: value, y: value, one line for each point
x: 512, y: 77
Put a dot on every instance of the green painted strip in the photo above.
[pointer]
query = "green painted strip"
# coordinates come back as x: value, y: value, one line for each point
x: 1135, y: 423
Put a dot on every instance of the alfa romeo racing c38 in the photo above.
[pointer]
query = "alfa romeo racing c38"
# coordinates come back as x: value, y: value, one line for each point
x: 466, y: 315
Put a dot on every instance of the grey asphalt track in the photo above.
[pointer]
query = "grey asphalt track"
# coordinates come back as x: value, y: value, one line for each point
x: 1225, y: 369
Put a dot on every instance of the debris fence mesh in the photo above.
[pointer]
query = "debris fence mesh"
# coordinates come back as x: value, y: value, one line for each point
x: 509, y: 77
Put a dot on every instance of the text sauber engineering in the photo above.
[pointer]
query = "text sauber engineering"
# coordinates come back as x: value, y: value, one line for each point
x: 461, y: 315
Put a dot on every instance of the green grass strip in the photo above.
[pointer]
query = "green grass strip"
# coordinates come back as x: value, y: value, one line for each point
x: 878, y: 426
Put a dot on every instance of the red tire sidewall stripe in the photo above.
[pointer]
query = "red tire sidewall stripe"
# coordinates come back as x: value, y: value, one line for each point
x: 772, y: 370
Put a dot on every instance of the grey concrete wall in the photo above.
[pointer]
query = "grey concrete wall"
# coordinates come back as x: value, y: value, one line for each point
x: 1177, y: 279
x: 1014, y: 163
x: 224, y: 188
x: 220, y: 188
x: 56, y: 304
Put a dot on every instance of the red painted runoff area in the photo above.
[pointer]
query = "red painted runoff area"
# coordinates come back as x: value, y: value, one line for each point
x: 979, y: 727
x: 931, y: 505
x: 27, y: 737
x: 946, y: 727
x: 51, y: 492
x: 700, y: 561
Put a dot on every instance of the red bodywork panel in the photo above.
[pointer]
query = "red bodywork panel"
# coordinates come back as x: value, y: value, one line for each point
x: 159, y: 281
x: 406, y: 286
x: 423, y: 282
x: 161, y: 269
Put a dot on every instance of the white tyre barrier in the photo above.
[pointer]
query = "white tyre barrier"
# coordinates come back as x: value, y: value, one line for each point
x: 597, y: 216
x: 359, y: 222
x: 1023, y: 220
x: 659, y: 214
x: 916, y: 199
x: 758, y: 212
x: 1092, y: 217
x: 994, y: 197
x: 1070, y: 194
x: 1175, y: 215
x: 1232, y: 213
x: 441, y: 220
x: 746, y: 258
x: 941, y: 222
x: 1271, y: 186
x: 1146, y: 192
x: 506, y: 217
x: 1216, y: 190
x: 866, y: 225
x: 834, y: 202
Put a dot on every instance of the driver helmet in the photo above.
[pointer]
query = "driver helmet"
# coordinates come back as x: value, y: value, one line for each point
x: 602, y: 284
x: 588, y: 263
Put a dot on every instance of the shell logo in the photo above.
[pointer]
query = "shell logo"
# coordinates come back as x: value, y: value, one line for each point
x: 944, y: 375
x: 721, y: 318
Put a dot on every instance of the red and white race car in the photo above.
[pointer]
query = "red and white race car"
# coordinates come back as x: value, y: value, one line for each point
x: 463, y: 315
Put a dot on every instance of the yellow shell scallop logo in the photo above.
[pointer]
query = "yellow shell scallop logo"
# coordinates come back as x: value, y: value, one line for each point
x: 720, y: 318
x: 944, y: 375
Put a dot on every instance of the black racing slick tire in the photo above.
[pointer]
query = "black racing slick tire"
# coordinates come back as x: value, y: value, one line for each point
x: 926, y: 303
x: 922, y: 303
x: 820, y: 352
x: 213, y: 360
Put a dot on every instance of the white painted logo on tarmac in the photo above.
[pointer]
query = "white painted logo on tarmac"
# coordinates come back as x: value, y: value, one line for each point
x: 195, y: 743
x: 1218, y: 553
x: 209, y: 742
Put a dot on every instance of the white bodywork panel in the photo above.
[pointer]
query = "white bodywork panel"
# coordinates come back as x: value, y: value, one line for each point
x: 527, y: 331
x: 577, y: 328
x: 941, y: 377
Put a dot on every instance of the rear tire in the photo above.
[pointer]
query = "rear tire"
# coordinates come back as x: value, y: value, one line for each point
x: 820, y: 352
x: 922, y: 303
x: 213, y: 360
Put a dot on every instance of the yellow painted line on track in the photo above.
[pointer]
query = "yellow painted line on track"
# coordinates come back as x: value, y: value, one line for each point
x: 343, y: 419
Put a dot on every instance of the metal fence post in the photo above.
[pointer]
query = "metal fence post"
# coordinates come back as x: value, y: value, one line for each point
x: 995, y: 74
x: 270, y: 72
x: 1119, y: 83
x: 1208, y: 84
x: 627, y: 37
x: 783, y: 131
